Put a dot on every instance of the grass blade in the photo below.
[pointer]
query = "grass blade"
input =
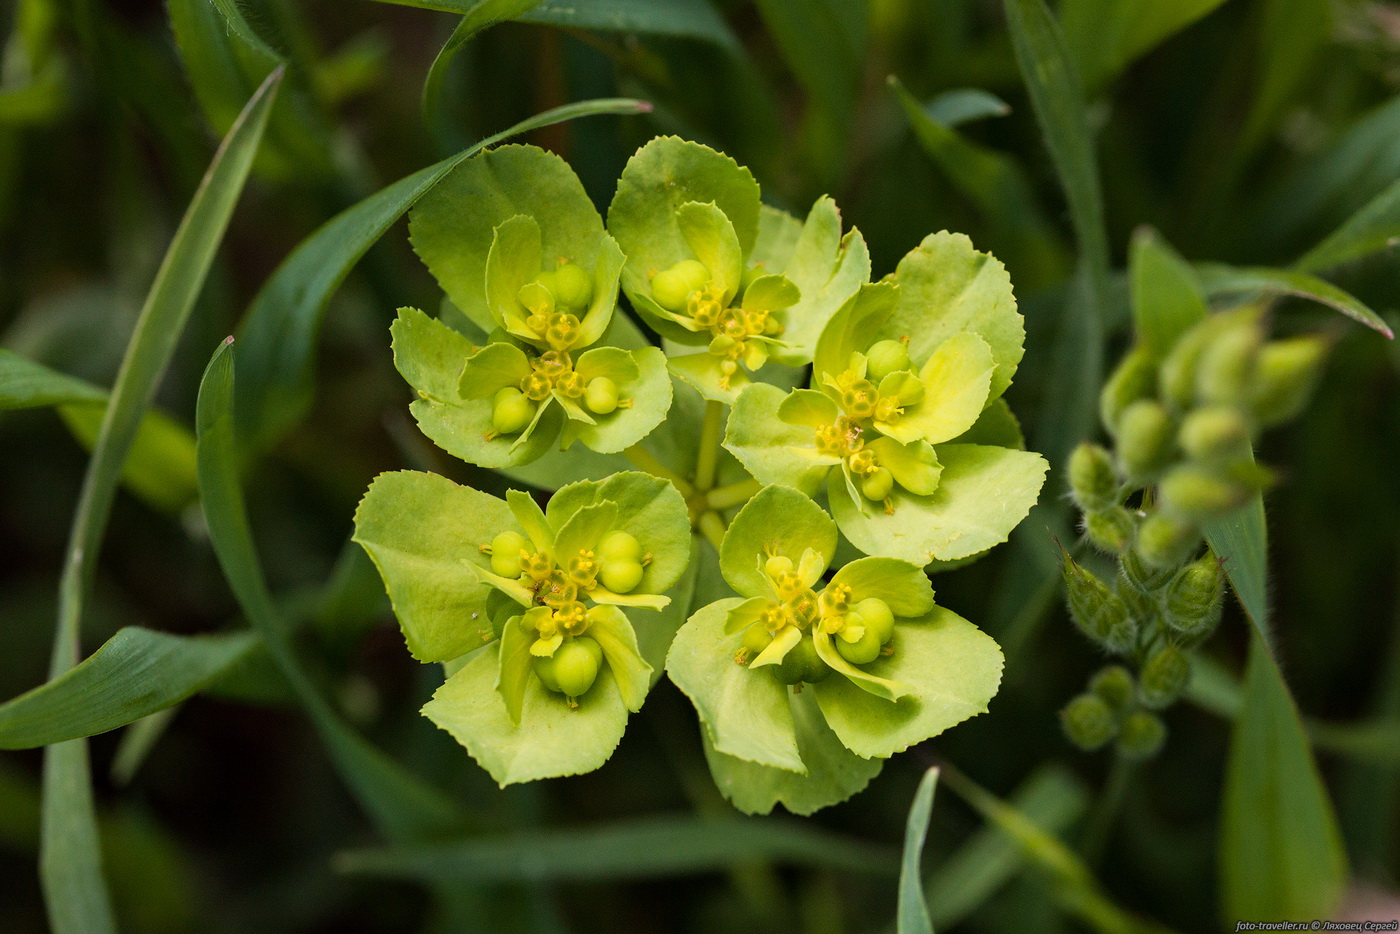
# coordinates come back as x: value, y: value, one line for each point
x: 1228, y: 280
x: 1166, y: 296
x: 278, y: 335
x: 913, y: 915
x: 1108, y: 35
x: 70, y: 869
x: 134, y: 674
x: 643, y: 848
x: 693, y: 18
x: 1373, y: 228
x: 400, y: 805
x: 482, y: 16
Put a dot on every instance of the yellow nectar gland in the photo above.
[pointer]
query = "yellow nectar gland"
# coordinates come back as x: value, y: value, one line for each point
x: 732, y: 331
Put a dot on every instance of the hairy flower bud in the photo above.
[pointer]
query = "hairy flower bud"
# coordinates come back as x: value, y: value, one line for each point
x: 1214, y: 433
x: 1145, y: 437
x: 1200, y: 494
x: 1284, y: 380
x: 1134, y: 379
x: 1164, y: 540
x: 1114, y: 684
x: 1164, y: 676
x: 1141, y: 735
x: 1226, y: 367
x: 1111, y: 529
x: 1193, y: 599
x: 1098, y: 612
x: 1091, y: 478
x: 1088, y: 721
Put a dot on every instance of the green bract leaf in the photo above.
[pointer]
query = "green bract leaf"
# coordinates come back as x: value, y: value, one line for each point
x: 834, y: 773
x: 425, y: 533
x: 454, y: 224
x: 553, y: 739
x: 950, y: 669
x: 903, y: 586
x: 983, y: 493
x: 745, y: 713
x: 773, y: 449
x: 777, y: 521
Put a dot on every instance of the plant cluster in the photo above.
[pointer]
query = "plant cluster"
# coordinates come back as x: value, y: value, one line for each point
x: 553, y: 623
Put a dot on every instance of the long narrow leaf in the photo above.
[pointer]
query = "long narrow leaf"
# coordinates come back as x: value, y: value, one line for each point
x: 403, y: 807
x: 634, y: 849
x: 1226, y: 280
x: 1373, y: 228
x: 70, y: 869
x: 135, y: 673
x: 913, y: 915
x: 278, y: 334
x: 693, y: 18
x: 1166, y: 296
x: 483, y: 15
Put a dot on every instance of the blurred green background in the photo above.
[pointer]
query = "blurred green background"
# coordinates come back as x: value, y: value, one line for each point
x: 1244, y: 131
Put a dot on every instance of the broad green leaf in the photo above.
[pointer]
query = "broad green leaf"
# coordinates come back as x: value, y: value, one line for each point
x: 956, y: 379
x: 695, y: 19
x: 903, y: 587
x: 996, y: 426
x: 777, y: 521
x: 656, y: 631
x: 423, y: 531
x: 69, y: 862
x: 1166, y: 296
x: 134, y: 674
x: 552, y: 739
x: 1281, y: 853
x: 452, y: 224
x: 951, y: 668
x: 770, y: 448
x: 983, y: 493
x: 1051, y: 798
x: 635, y: 848
x: 1105, y: 36
x: 278, y: 334
x: 1375, y: 227
x: 744, y: 711
x: 834, y: 773
x: 1226, y: 280
x: 401, y: 806
x: 913, y: 917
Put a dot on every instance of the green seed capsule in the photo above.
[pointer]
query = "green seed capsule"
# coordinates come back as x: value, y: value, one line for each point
x: 1214, y: 433
x: 544, y: 670
x: 1142, y: 735
x: 618, y: 546
x: 861, y: 652
x: 1115, y: 685
x: 876, y: 614
x: 572, y: 287
x: 1088, y: 722
x: 1200, y: 494
x: 1164, y: 676
x: 777, y: 565
x: 1285, y: 378
x: 876, y: 486
x: 884, y: 358
x: 621, y: 576
x: 1098, y: 612
x: 1165, y: 541
x: 1111, y: 530
x: 1145, y: 436
x: 1092, y: 481
x: 756, y: 639
x: 505, y: 554
x: 802, y: 663
x: 601, y: 395
x: 511, y: 412
x: 576, y: 667
x: 1134, y: 379
x: 671, y: 288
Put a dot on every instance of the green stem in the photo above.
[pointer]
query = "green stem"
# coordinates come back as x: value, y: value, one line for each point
x: 707, y: 461
x: 712, y: 527
x: 1096, y: 833
x: 725, y: 497
x: 644, y: 460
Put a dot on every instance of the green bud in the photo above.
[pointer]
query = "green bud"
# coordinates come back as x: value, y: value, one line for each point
x: 1165, y: 541
x: 1115, y: 685
x: 1226, y: 369
x: 1199, y: 493
x: 1163, y: 676
x: 886, y: 357
x: 505, y: 554
x: 1092, y: 481
x: 1144, y: 440
x: 621, y: 576
x: 576, y: 666
x: 1088, y: 722
x: 1134, y: 379
x: 863, y: 651
x: 511, y: 411
x: 1214, y: 433
x: 600, y: 396
x: 756, y: 639
x: 876, y: 614
x: 802, y: 663
x: 618, y: 546
x: 671, y: 288
x: 876, y: 486
x: 1176, y: 376
x: 1143, y: 577
x: 572, y: 286
x: 1193, y: 600
x: 1111, y: 530
x: 1141, y: 735
x: 1098, y: 612
x: 1287, y: 373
